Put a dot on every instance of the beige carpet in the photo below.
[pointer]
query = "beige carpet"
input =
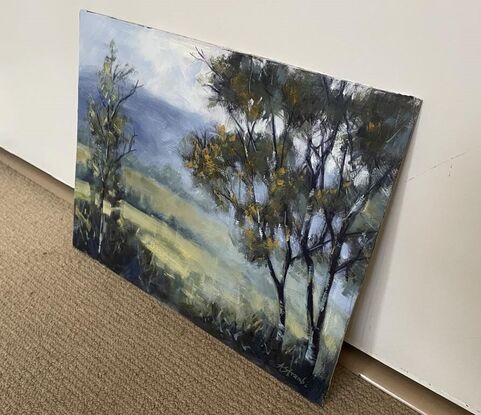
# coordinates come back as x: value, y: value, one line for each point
x: 75, y: 338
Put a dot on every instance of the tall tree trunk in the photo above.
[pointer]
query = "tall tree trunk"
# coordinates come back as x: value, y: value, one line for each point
x: 321, y: 317
x: 280, y: 285
x: 317, y: 181
x: 281, y: 330
x: 310, y: 304
x: 310, y: 268
x: 101, y: 222
x: 310, y: 291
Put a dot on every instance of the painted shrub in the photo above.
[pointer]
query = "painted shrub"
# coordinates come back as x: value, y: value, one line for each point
x: 244, y: 193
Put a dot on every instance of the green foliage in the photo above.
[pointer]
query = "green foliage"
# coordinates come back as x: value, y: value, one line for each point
x: 86, y: 225
x: 109, y: 140
x: 298, y: 148
x: 107, y: 122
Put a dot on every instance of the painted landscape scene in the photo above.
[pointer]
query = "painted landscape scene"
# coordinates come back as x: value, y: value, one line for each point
x: 244, y: 193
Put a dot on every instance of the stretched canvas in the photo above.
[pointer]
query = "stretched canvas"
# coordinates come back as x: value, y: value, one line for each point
x: 244, y: 193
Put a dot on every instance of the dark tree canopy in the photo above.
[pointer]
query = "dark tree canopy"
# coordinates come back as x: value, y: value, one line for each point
x: 300, y: 159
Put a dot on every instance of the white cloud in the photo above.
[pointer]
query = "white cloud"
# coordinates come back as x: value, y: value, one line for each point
x: 163, y: 62
x: 172, y: 71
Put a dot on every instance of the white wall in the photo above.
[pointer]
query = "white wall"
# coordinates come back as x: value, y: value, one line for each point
x: 420, y: 310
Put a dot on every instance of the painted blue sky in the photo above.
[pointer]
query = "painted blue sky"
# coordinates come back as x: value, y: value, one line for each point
x: 163, y: 62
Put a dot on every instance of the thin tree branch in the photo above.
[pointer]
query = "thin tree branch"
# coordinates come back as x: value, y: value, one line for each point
x: 125, y: 98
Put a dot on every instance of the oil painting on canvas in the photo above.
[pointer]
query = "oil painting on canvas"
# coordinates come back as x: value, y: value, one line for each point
x: 244, y: 193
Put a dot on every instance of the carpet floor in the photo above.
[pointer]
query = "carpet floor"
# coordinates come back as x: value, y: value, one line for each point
x: 75, y: 338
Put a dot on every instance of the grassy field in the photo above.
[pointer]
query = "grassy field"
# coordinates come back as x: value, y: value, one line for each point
x: 226, y: 277
x: 162, y: 199
x: 83, y: 153
x: 220, y: 274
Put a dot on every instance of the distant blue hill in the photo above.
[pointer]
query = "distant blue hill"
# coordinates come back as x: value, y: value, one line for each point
x: 159, y: 125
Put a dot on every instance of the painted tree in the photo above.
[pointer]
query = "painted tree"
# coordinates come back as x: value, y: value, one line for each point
x: 353, y: 169
x: 301, y: 160
x: 248, y: 168
x: 110, y: 140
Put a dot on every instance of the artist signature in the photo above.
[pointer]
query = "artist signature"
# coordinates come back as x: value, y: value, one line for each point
x: 287, y: 371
